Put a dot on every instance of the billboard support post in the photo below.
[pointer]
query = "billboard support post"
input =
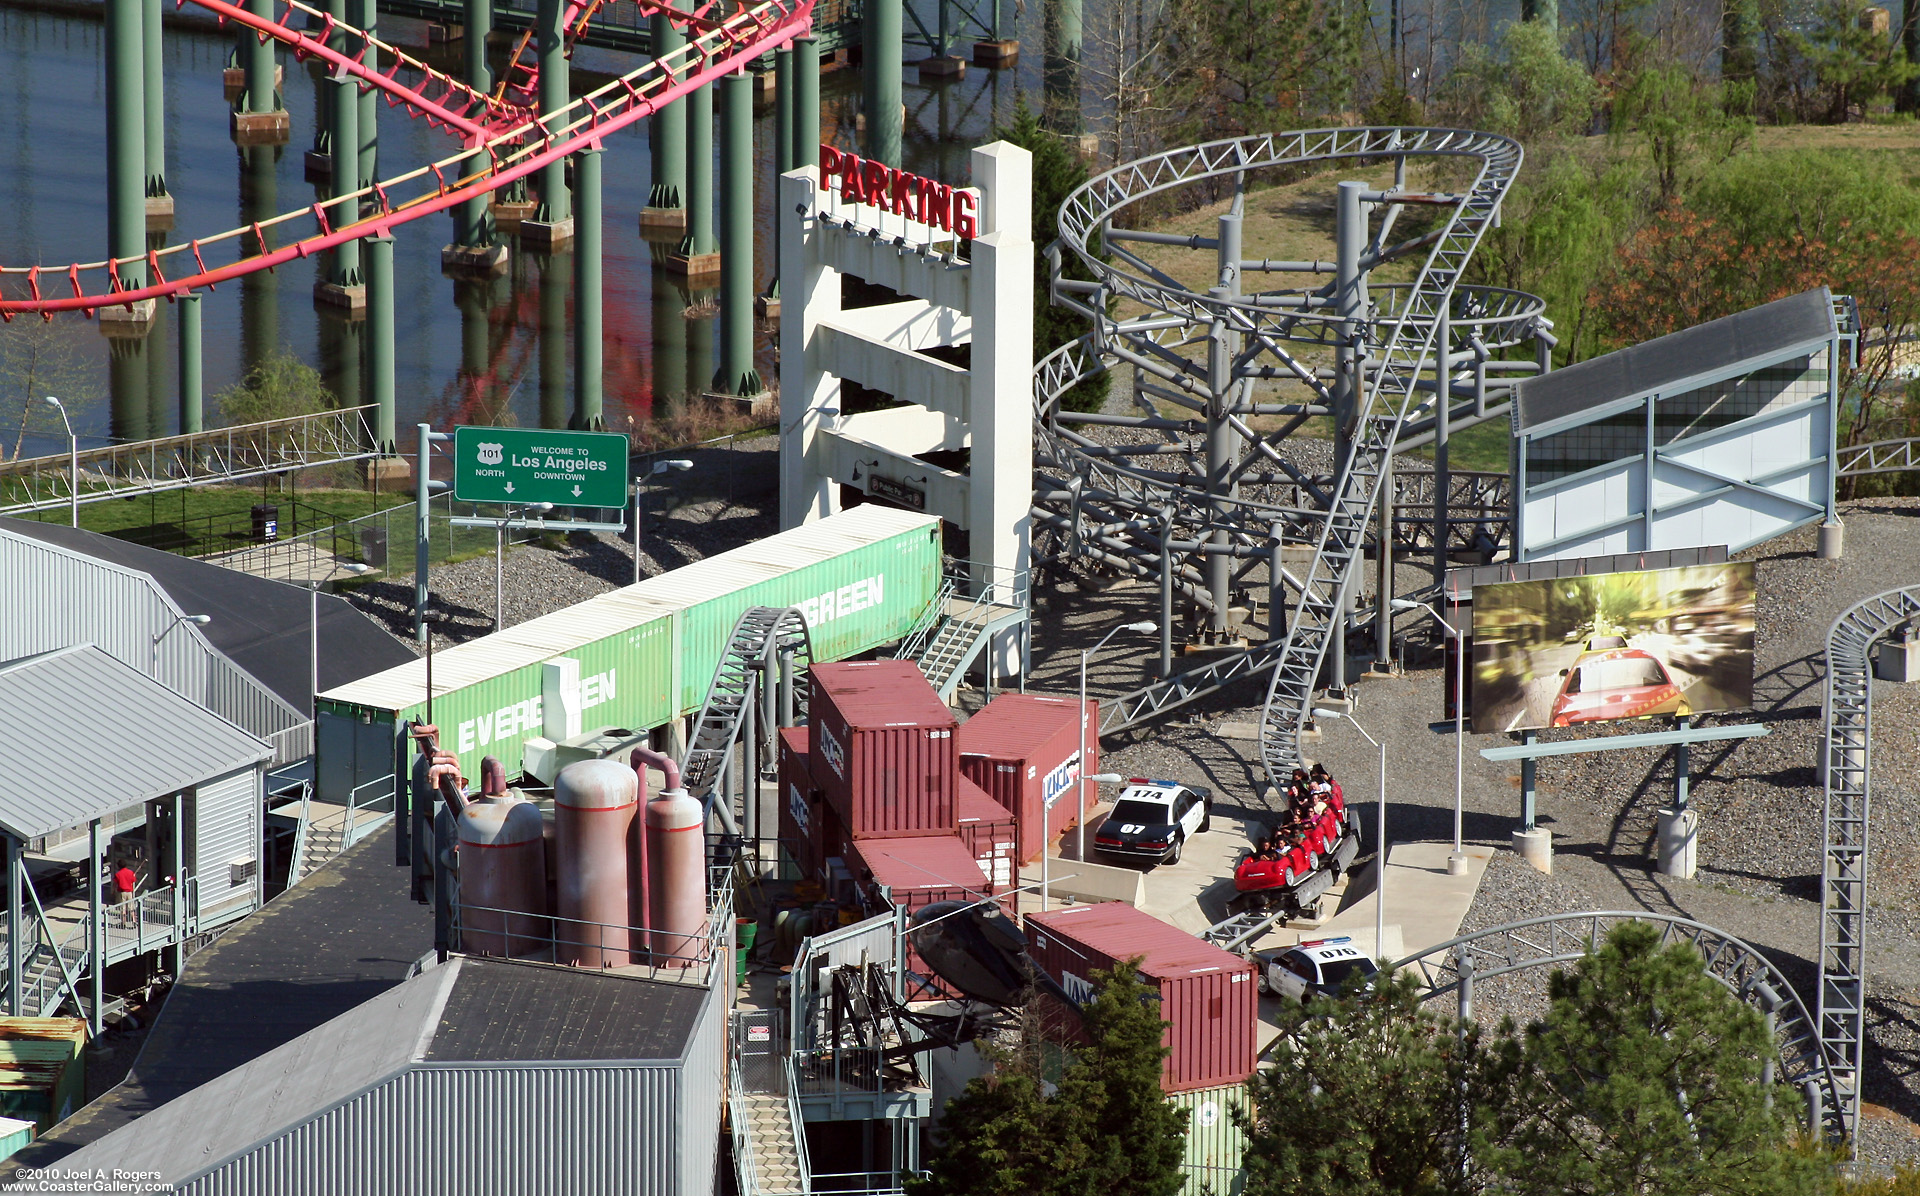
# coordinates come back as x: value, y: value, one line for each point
x: 1680, y: 768
x: 1529, y: 774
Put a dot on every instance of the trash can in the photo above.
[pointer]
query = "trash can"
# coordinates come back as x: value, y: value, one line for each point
x: 373, y: 546
x: 266, y: 523
x: 745, y: 930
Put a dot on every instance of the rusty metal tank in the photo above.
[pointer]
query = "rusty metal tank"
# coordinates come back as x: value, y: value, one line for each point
x: 503, y: 872
x: 594, y: 804
x: 676, y: 874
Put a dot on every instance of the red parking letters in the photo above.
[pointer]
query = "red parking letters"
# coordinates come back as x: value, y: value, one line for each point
x: 876, y: 184
x: 936, y: 206
x: 906, y: 195
x: 829, y: 166
x: 852, y: 170
x: 964, y: 223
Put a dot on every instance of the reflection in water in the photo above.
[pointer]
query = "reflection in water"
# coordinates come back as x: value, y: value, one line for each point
x: 341, y: 354
x: 259, y: 291
x: 555, y: 272
x: 127, y: 378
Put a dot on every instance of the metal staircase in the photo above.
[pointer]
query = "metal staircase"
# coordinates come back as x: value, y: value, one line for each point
x: 755, y: 649
x: 954, y: 634
x: 769, y: 1153
x: 775, y: 1156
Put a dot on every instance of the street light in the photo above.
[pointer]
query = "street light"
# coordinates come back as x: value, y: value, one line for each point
x: 153, y: 654
x: 1380, y: 835
x: 73, y: 462
x: 639, y: 502
x: 1148, y: 628
x: 1457, y: 862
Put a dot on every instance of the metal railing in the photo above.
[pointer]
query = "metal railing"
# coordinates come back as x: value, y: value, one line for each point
x: 377, y: 801
x: 745, y: 1163
x: 799, y: 1123
x: 176, y: 462
x: 379, y: 541
x: 866, y: 1183
x: 840, y: 1071
x: 936, y: 613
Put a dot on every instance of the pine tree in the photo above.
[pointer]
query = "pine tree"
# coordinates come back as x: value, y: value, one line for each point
x: 1643, y: 1078
x: 1364, y: 1097
x: 1128, y: 1139
x: 997, y: 1137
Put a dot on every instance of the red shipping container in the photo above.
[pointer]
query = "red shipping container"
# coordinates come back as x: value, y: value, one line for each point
x: 919, y: 871
x: 1023, y: 747
x: 882, y: 749
x: 1208, y: 997
x: 800, y: 804
x: 988, y: 830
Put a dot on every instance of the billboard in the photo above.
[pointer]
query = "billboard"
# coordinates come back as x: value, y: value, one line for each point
x: 1564, y: 651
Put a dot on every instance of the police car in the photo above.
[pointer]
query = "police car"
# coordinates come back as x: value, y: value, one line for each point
x: 1317, y: 967
x: 1154, y: 819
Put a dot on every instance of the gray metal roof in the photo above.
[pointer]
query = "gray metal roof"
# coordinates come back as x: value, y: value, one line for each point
x: 503, y: 1011
x: 1674, y: 364
x: 82, y: 735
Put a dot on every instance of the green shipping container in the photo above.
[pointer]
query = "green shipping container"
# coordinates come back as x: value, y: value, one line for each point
x: 647, y: 652
x: 1216, y: 1146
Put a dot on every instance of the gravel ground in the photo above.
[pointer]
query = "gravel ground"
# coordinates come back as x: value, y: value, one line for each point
x: 726, y: 500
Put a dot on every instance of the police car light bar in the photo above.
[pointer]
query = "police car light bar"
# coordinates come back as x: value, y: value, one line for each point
x: 1345, y: 938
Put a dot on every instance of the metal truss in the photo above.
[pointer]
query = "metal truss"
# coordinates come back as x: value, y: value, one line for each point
x: 198, y: 458
x: 1187, y: 490
x: 1849, y: 777
x: 1452, y: 967
x: 766, y: 655
x: 1882, y: 456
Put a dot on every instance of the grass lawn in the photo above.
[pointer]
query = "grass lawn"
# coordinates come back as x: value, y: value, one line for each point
x: 210, y: 519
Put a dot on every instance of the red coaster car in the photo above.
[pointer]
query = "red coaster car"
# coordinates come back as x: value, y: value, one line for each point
x: 1299, y: 877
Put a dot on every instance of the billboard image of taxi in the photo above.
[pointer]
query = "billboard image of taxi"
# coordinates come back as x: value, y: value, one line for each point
x: 1617, y: 683
x: 1602, y: 647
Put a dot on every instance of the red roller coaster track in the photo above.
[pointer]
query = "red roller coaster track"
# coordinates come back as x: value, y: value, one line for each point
x: 515, y: 141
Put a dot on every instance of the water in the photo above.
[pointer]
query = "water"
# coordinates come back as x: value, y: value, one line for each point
x: 466, y: 352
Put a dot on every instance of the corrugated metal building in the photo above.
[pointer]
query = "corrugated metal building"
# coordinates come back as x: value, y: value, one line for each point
x: 58, y: 597
x: 479, y: 1075
x: 83, y: 735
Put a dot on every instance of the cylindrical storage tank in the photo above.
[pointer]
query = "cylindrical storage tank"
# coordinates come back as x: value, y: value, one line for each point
x: 503, y: 877
x: 594, y: 804
x: 1208, y: 997
x: 676, y: 878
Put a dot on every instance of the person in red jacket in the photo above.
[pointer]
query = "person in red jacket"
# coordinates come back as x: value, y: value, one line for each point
x: 124, y: 884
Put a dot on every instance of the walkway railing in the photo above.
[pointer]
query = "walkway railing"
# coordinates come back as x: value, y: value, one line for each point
x: 176, y: 462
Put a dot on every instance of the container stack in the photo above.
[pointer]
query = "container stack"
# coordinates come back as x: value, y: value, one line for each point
x: 988, y: 829
x: 1024, y: 749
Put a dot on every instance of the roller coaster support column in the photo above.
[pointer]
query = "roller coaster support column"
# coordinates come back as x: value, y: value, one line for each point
x: 783, y: 134
x: 588, y: 365
x: 258, y: 118
x: 699, y: 254
x: 1350, y: 240
x: 1442, y: 452
x: 880, y: 69
x: 367, y: 18
x: 666, y: 209
x: 473, y: 250
x: 553, y: 343
x: 806, y: 101
x: 343, y: 285
x: 736, y: 375
x: 1383, y: 575
x: 126, y: 162
x: 192, y: 383
x: 553, y: 223
x: 381, y: 313
x: 159, y: 205
x: 1223, y: 443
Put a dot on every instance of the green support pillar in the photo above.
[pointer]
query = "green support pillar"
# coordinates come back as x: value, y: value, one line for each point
x: 343, y: 112
x: 588, y: 366
x: 1545, y: 11
x: 699, y: 246
x: 553, y: 341
x: 256, y: 55
x: 666, y: 199
x: 1062, y: 42
x: 128, y: 388
x: 880, y: 74
x: 126, y: 141
x: 260, y: 290
x: 367, y: 18
x: 806, y: 102
x: 473, y: 248
x: 380, y: 341
x: 782, y: 148
x: 159, y: 206
x: 192, y: 382
x: 478, y: 15
x: 736, y: 375
x: 554, y: 95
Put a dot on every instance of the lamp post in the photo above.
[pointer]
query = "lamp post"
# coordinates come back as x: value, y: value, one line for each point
x: 1380, y: 835
x: 153, y: 653
x: 639, y: 503
x: 1457, y: 862
x: 73, y: 462
x: 1146, y: 627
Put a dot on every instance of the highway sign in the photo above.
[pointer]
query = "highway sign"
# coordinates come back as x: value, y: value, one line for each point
x: 529, y: 465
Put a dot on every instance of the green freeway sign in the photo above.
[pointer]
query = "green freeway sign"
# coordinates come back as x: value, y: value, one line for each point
x: 529, y: 465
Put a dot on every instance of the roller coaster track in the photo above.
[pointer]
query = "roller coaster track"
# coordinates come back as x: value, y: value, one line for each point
x: 503, y: 142
x: 1104, y: 506
x: 1452, y: 967
x: 759, y: 639
x: 1843, y: 892
x: 1882, y: 456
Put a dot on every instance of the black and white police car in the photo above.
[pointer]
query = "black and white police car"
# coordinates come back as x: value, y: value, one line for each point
x: 1317, y: 967
x: 1154, y: 819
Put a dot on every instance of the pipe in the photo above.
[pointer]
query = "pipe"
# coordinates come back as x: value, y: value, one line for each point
x: 660, y: 760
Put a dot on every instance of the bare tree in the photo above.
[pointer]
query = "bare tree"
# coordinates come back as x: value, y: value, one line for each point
x: 40, y: 358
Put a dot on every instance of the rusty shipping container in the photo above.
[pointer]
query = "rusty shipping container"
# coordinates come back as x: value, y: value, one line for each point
x: 799, y: 804
x: 989, y: 831
x: 1208, y: 996
x: 1023, y: 748
x: 882, y: 749
x: 918, y: 872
